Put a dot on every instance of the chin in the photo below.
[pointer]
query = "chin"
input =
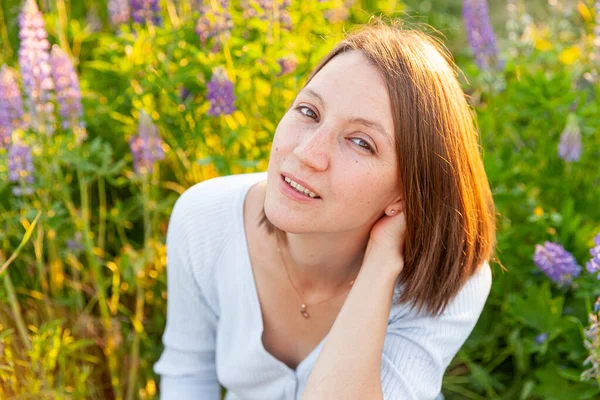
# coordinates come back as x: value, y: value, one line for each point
x: 279, y: 217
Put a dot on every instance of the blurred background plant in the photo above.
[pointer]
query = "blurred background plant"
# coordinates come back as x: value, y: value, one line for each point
x: 110, y: 109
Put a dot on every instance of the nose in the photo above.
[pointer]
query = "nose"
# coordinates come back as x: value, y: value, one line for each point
x: 313, y: 149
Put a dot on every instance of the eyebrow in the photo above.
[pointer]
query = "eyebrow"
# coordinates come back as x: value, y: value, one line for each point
x: 355, y: 120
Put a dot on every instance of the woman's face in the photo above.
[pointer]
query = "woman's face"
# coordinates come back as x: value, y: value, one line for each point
x: 337, y: 137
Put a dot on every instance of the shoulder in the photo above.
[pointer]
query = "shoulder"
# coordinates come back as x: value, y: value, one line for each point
x: 466, y: 305
x: 419, y: 347
x: 475, y: 291
x: 213, y: 199
x: 221, y: 189
x: 204, y: 215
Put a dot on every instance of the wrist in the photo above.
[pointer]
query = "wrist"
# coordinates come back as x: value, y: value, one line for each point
x: 391, y: 266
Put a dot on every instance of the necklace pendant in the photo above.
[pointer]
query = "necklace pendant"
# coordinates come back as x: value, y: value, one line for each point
x: 304, y: 312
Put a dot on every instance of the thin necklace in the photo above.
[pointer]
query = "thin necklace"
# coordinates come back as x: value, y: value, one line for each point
x: 303, y: 309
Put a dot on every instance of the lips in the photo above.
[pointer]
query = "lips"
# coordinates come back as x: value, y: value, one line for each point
x: 301, y: 182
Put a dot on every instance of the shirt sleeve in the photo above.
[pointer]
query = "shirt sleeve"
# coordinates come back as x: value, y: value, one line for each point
x: 187, y: 364
x: 418, y: 348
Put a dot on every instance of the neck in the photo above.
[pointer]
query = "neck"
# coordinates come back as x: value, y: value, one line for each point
x: 324, y: 262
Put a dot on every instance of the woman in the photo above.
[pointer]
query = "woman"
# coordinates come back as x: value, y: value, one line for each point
x: 357, y: 265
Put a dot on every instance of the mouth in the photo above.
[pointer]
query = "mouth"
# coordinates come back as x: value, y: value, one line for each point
x: 298, y: 190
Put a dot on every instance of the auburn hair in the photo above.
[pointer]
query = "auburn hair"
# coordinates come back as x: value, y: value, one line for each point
x: 449, y: 209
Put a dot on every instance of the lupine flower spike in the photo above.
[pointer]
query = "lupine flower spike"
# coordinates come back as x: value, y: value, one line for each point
x: 119, y: 12
x: 34, y: 60
x: 146, y: 12
x: 268, y: 7
x: 340, y: 11
x: 569, y: 148
x: 593, y: 266
x: 20, y: 168
x: 220, y: 93
x: 480, y: 34
x: 592, y: 344
x: 214, y: 23
x: 541, y: 338
x: 68, y: 94
x: 556, y: 262
x: 92, y: 19
x: 11, y: 105
x: 146, y: 146
x: 287, y: 65
x: 74, y: 244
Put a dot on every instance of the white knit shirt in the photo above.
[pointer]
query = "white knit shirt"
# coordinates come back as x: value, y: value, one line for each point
x: 214, y: 322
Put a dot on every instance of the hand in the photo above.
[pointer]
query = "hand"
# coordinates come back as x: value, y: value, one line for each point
x: 386, y: 242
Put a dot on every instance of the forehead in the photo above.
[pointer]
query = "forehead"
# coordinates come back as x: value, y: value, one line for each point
x: 351, y: 85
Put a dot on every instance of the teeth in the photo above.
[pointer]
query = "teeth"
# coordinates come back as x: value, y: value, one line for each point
x: 300, y: 188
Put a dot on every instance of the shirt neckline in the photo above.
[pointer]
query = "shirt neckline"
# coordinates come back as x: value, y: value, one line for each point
x: 256, y: 309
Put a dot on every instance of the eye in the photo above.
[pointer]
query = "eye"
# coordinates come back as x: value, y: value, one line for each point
x: 367, y: 147
x: 307, y: 112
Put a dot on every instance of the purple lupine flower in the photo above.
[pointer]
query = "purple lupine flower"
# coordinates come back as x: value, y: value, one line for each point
x: 541, y: 338
x: 199, y: 4
x: 597, y: 26
x: 92, y: 20
x: 593, y: 266
x: 146, y: 146
x: 145, y: 11
x: 512, y: 23
x: 480, y: 33
x: 268, y: 11
x: 34, y: 59
x: 592, y: 344
x: 20, y: 168
x: 247, y: 10
x: 569, y: 147
x: 556, y: 262
x: 220, y: 93
x: 215, y: 24
x: 119, y: 12
x: 266, y: 5
x: 183, y: 93
x: 75, y: 244
x: 285, y: 20
x: 68, y: 94
x: 11, y: 105
x: 287, y: 65
x: 336, y: 15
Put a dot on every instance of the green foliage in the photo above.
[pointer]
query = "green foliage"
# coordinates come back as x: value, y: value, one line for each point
x: 82, y: 306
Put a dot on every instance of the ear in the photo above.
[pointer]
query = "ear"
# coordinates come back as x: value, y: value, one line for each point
x: 397, y: 205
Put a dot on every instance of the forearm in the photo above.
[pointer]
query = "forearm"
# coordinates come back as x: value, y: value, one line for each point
x: 349, y: 365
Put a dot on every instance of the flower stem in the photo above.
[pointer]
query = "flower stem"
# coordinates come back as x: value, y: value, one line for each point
x: 98, y: 280
x: 16, y: 310
x: 101, y: 213
x: 173, y: 14
x: 139, y: 293
x: 7, y: 50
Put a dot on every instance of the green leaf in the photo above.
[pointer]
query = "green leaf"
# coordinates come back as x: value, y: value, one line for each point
x: 24, y: 241
x: 536, y: 308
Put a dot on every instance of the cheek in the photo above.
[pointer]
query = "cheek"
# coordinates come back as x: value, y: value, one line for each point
x: 284, y: 138
x: 366, y: 189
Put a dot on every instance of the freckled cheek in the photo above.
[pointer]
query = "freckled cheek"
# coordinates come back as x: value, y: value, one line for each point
x: 352, y: 193
x: 280, y: 146
x: 285, y: 139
